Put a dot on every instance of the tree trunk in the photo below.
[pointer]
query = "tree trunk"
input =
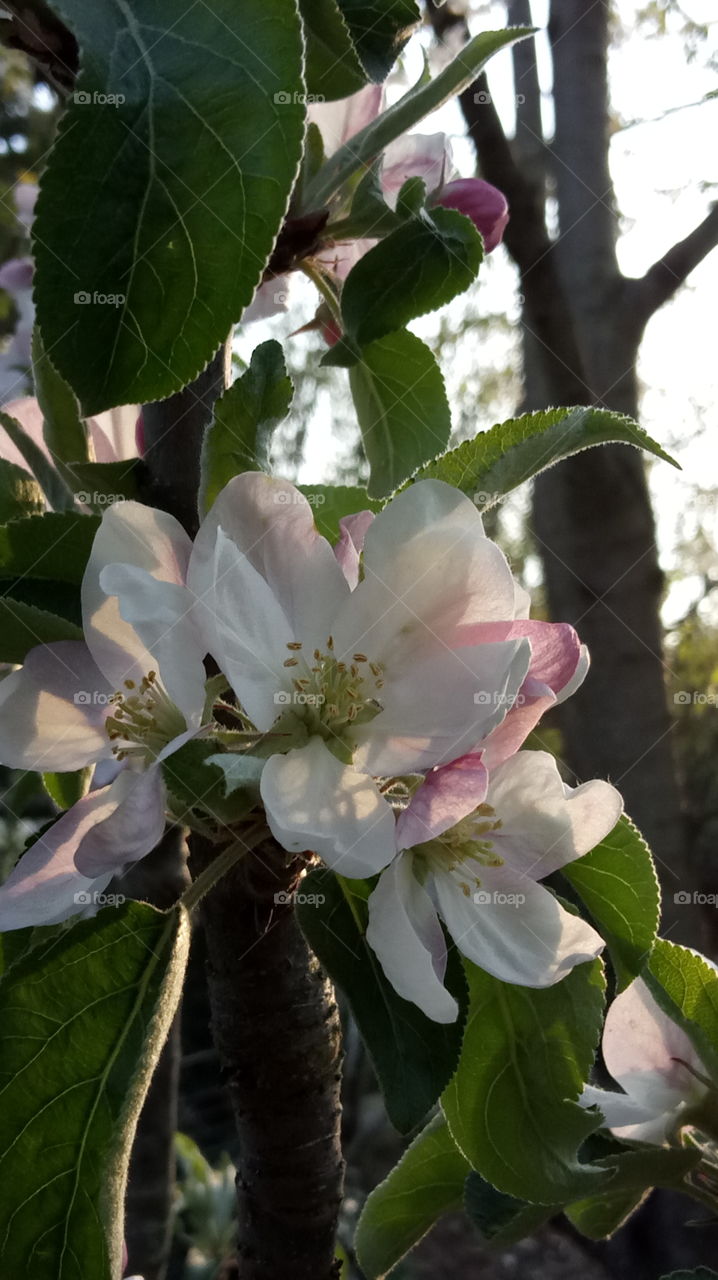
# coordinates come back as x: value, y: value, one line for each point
x: 276, y: 1026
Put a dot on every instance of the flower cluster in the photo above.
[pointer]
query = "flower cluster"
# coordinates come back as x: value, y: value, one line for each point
x: 392, y: 681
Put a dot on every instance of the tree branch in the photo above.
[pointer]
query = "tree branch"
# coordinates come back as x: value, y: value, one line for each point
x: 666, y: 276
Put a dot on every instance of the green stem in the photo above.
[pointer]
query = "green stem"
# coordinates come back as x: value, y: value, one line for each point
x: 220, y: 865
x: 322, y: 283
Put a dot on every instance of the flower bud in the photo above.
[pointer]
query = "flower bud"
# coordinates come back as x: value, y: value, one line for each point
x: 484, y: 204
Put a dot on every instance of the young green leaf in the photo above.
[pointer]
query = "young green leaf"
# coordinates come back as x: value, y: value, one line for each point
x: 83, y: 1017
x: 63, y: 429
x: 20, y: 494
x: 686, y: 988
x: 330, y: 502
x: 502, y: 1219
x: 142, y: 273
x: 54, y: 546
x: 495, y: 462
x: 198, y: 784
x: 67, y: 788
x: 244, y: 419
x: 22, y: 626
x: 422, y: 265
x: 51, y: 484
x: 97, y: 484
x: 512, y: 1106
x: 617, y: 883
x: 333, y: 69
x: 636, y: 1173
x: 380, y: 29
x: 401, y: 405
x: 427, y: 1182
x: 413, y: 1057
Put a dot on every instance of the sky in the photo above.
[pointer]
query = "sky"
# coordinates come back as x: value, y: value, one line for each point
x: 663, y: 160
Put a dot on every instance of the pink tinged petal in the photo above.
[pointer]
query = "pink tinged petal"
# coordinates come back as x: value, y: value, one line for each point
x: 315, y: 803
x: 516, y: 930
x: 544, y: 823
x: 16, y: 275
x: 113, y: 433
x: 135, y: 824
x: 430, y: 573
x: 27, y: 412
x: 161, y: 615
x: 415, y: 155
x: 556, y: 653
x: 446, y: 796
x: 339, y: 121
x: 134, y: 535
x: 484, y: 204
x: 441, y: 707
x: 578, y: 677
x: 53, y: 709
x: 272, y: 526
x: 644, y: 1050
x: 352, y: 531
x: 46, y: 887
x: 25, y: 196
x: 405, y: 934
x: 622, y: 1114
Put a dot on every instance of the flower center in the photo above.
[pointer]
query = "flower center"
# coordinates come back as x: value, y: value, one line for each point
x: 332, y: 696
x: 466, y: 846
x: 143, y: 721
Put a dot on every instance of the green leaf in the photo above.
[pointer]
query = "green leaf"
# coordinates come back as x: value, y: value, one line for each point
x: 427, y: 1181
x: 56, y: 492
x: 22, y: 626
x: 636, y: 1173
x: 20, y: 494
x: 64, y: 430
x: 359, y: 152
x: 244, y: 419
x: 401, y: 405
x: 82, y: 1021
x: 413, y: 1057
x: 142, y: 273
x: 617, y: 882
x: 54, y: 546
x: 333, y: 69
x: 67, y: 788
x: 333, y: 501
x: 512, y: 1105
x: 241, y: 772
x: 686, y: 988
x: 380, y: 30
x: 502, y: 1219
x: 494, y: 463
x: 422, y: 265
x: 198, y: 785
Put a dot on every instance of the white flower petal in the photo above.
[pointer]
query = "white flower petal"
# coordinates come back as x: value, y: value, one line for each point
x: 441, y: 707
x: 134, y: 826
x: 113, y: 433
x: 339, y: 121
x: 518, y: 932
x: 405, y: 934
x: 135, y: 535
x: 315, y: 803
x: 52, y: 710
x: 161, y: 615
x: 544, y: 823
x: 617, y: 1109
x: 644, y: 1050
x: 44, y: 886
x: 272, y: 525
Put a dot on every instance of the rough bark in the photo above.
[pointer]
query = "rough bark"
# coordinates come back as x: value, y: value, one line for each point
x: 276, y: 1026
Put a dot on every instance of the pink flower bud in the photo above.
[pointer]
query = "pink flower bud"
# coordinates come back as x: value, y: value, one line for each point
x: 484, y: 204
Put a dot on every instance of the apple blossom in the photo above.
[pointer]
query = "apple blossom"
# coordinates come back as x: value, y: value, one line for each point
x: 484, y: 204
x: 114, y: 435
x: 123, y: 700
x: 655, y: 1063
x: 474, y: 843
x: 372, y: 682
